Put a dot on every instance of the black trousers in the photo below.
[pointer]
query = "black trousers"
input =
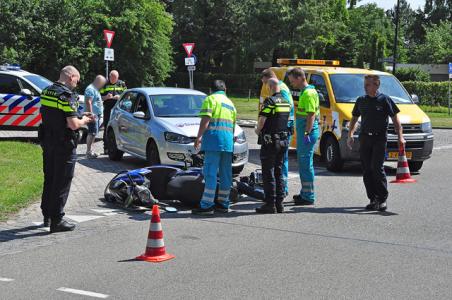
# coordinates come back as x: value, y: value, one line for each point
x: 59, y: 164
x: 373, y: 152
x: 272, y: 159
x: 108, y: 106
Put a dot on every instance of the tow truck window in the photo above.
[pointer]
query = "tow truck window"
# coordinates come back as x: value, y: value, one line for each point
x: 319, y: 82
x: 348, y: 87
x: 9, y: 84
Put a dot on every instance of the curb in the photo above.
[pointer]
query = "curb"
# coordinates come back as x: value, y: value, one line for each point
x: 446, y: 128
x: 247, y: 123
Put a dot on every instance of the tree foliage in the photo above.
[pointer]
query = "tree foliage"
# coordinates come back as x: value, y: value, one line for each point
x: 45, y: 35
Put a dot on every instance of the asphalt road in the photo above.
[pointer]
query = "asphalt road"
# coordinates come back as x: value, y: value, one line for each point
x: 334, y: 250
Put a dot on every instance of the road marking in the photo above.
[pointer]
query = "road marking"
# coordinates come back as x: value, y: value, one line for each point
x: 107, y: 212
x: 82, y: 292
x: 3, y: 279
x: 443, y: 147
x: 80, y: 219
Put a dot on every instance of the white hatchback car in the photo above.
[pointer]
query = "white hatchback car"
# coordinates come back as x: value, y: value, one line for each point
x: 160, y: 126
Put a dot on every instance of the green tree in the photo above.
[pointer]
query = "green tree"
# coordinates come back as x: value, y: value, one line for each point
x: 437, y: 47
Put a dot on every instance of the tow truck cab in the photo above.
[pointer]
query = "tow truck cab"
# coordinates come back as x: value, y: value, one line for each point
x: 338, y: 90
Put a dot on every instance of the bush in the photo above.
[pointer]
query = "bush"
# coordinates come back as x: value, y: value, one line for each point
x: 237, y: 84
x: 412, y: 74
x: 429, y: 93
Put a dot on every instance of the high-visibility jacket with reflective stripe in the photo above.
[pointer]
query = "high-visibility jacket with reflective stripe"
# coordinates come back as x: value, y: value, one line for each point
x: 277, y: 111
x: 113, y: 89
x: 308, y: 102
x: 57, y: 103
x: 219, y: 136
x: 287, y: 95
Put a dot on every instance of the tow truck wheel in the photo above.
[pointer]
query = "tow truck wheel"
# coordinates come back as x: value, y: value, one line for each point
x: 113, y: 152
x: 415, y: 166
x: 332, y: 155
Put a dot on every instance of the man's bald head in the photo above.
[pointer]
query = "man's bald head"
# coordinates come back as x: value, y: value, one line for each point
x: 114, y: 76
x: 69, y: 76
x: 273, y: 84
x: 99, y: 81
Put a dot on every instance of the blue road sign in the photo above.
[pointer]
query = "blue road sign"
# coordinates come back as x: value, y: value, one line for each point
x: 450, y: 68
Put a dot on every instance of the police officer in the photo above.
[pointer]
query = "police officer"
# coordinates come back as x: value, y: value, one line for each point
x: 216, y: 137
x: 287, y: 96
x: 110, y: 95
x: 374, y: 108
x: 273, y: 138
x: 307, y: 128
x: 58, y: 136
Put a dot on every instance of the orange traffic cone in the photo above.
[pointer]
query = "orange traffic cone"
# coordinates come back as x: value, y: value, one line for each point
x: 403, y: 170
x: 155, y: 248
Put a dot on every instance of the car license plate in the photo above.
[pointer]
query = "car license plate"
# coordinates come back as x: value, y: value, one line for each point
x: 395, y: 155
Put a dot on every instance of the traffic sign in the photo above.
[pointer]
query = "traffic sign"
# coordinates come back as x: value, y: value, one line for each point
x: 450, y: 70
x: 108, y: 37
x: 191, y: 68
x: 109, y: 54
x: 190, y: 61
x: 189, y: 48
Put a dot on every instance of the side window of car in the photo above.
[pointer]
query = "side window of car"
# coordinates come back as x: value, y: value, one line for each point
x: 142, y: 104
x: 25, y: 85
x: 319, y: 83
x: 127, y: 102
x: 9, y: 84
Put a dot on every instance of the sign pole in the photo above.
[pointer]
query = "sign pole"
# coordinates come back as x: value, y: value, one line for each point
x: 450, y: 76
x: 449, y: 98
x: 106, y: 69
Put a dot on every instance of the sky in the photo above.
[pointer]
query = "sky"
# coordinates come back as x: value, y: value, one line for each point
x: 388, y: 4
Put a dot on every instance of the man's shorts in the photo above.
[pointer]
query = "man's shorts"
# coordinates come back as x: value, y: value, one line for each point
x: 93, y: 127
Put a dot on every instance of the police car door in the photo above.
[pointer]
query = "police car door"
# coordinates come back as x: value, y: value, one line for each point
x: 19, y: 108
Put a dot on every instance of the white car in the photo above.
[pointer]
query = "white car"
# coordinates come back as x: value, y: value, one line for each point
x: 160, y: 125
x: 20, y: 98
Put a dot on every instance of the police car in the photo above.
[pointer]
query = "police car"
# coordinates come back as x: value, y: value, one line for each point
x: 20, y: 98
x: 160, y: 125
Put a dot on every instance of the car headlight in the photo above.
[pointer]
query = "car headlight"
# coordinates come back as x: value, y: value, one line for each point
x: 426, y: 127
x: 177, y: 138
x: 241, y: 138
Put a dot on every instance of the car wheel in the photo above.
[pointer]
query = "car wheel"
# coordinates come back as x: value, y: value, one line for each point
x: 152, y: 153
x: 415, y: 166
x: 113, y: 152
x: 237, y: 170
x: 332, y: 155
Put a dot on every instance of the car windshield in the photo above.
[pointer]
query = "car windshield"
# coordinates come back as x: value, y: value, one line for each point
x: 348, y: 87
x: 39, y: 81
x: 175, y: 106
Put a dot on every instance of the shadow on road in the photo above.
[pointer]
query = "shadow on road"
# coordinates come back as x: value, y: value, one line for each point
x: 22, y: 233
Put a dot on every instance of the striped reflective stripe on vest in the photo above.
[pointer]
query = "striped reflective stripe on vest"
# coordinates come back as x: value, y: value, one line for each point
x: 54, y: 102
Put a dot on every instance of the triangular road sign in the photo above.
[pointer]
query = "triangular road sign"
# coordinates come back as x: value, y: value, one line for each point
x: 189, y: 48
x: 108, y: 37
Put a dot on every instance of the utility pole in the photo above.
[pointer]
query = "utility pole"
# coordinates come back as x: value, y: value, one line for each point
x: 396, y: 38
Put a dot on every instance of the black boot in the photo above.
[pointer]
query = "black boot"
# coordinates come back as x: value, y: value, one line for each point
x: 382, y: 206
x: 298, y: 200
x: 373, y: 205
x: 46, y: 222
x: 279, y: 207
x: 60, y: 225
x: 266, y: 209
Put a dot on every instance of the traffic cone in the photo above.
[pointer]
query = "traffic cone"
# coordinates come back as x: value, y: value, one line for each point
x: 155, y: 248
x: 403, y: 170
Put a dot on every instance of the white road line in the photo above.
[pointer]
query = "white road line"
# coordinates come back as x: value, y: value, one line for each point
x: 3, y: 279
x: 80, y: 219
x: 443, y: 147
x: 82, y: 292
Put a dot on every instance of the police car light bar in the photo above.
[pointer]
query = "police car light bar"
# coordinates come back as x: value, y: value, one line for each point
x: 307, y: 62
x: 13, y: 67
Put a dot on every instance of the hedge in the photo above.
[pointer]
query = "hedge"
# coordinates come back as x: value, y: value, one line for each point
x: 429, y: 93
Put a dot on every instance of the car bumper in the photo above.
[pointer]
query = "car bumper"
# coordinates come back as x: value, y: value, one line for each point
x: 173, y: 154
x: 419, y: 145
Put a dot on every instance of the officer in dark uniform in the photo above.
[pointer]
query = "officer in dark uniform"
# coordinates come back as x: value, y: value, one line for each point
x: 58, y: 136
x: 110, y: 95
x: 374, y: 108
x: 274, y: 140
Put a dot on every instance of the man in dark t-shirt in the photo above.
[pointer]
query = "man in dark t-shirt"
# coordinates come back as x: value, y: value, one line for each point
x: 374, y: 108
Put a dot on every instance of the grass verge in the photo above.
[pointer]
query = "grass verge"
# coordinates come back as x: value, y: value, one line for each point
x: 246, y: 109
x: 21, y: 176
x: 439, y: 115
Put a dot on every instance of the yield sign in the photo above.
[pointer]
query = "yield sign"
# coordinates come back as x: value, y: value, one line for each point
x: 108, y: 37
x: 189, y: 48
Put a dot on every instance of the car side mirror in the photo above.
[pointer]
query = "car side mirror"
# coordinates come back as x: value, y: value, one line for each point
x: 26, y: 92
x: 140, y: 115
x: 415, y: 99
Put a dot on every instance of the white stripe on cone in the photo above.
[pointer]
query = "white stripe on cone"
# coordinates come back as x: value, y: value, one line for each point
x: 155, y: 243
x: 156, y: 227
x: 403, y: 170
